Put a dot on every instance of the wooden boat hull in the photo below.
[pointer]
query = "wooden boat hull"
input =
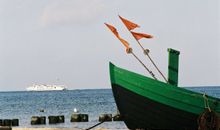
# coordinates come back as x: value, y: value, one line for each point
x: 145, y: 103
x: 141, y: 112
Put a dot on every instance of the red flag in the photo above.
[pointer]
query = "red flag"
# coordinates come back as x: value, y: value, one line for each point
x: 138, y: 36
x: 125, y: 43
x: 113, y: 29
x: 130, y: 25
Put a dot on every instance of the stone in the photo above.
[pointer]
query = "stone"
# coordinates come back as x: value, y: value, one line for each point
x: 84, y: 117
x: 42, y: 120
x: 7, y: 122
x: 61, y: 119
x: 35, y: 120
x: 105, y: 117
x: 117, y: 117
x: 53, y: 119
x: 15, y: 122
x: 75, y: 117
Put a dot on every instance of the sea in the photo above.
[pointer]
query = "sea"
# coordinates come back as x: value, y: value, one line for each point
x: 23, y: 105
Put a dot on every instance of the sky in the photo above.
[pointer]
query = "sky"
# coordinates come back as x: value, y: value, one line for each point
x: 65, y: 42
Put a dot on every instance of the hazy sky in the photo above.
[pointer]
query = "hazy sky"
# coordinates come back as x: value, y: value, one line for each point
x: 66, y: 42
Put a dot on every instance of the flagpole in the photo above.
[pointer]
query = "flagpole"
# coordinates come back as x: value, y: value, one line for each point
x: 146, y: 52
x: 129, y: 50
x: 150, y: 72
x: 132, y: 26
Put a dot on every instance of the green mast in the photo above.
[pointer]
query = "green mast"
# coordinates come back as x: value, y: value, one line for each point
x: 173, y: 66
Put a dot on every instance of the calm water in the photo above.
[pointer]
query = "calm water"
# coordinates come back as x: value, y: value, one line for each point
x: 24, y: 105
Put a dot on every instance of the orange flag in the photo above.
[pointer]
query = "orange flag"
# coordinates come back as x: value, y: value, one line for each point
x: 138, y: 36
x: 125, y: 43
x: 130, y: 25
x: 113, y: 29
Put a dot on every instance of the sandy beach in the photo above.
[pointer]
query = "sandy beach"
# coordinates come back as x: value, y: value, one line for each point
x: 60, y: 129
x: 46, y: 129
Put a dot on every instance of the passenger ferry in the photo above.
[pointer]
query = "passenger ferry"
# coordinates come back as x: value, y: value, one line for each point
x: 44, y: 87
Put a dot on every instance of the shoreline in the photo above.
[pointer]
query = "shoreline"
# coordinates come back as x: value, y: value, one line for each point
x: 26, y: 128
x: 46, y: 129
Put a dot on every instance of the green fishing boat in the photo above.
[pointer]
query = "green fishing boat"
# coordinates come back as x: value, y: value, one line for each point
x: 146, y: 103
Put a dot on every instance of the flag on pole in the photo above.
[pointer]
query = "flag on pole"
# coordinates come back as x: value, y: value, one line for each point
x: 130, y: 25
x: 138, y: 36
x: 125, y: 43
x: 114, y: 30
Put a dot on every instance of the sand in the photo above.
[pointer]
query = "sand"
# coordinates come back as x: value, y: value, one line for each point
x: 46, y: 129
x: 60, y: 129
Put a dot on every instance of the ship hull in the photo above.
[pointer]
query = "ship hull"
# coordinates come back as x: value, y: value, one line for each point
x: 145, y: 103
x: 46, y: 88
x: 140, y: 112
x: 39, y: 90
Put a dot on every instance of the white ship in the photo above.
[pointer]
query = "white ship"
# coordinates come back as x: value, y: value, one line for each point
x: 46, y: 87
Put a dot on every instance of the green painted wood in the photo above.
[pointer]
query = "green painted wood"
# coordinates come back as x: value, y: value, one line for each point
x: 161, y: 92
x: 173, y: 65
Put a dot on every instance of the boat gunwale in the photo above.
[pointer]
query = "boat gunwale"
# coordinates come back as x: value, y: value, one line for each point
x: 166, y: 87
